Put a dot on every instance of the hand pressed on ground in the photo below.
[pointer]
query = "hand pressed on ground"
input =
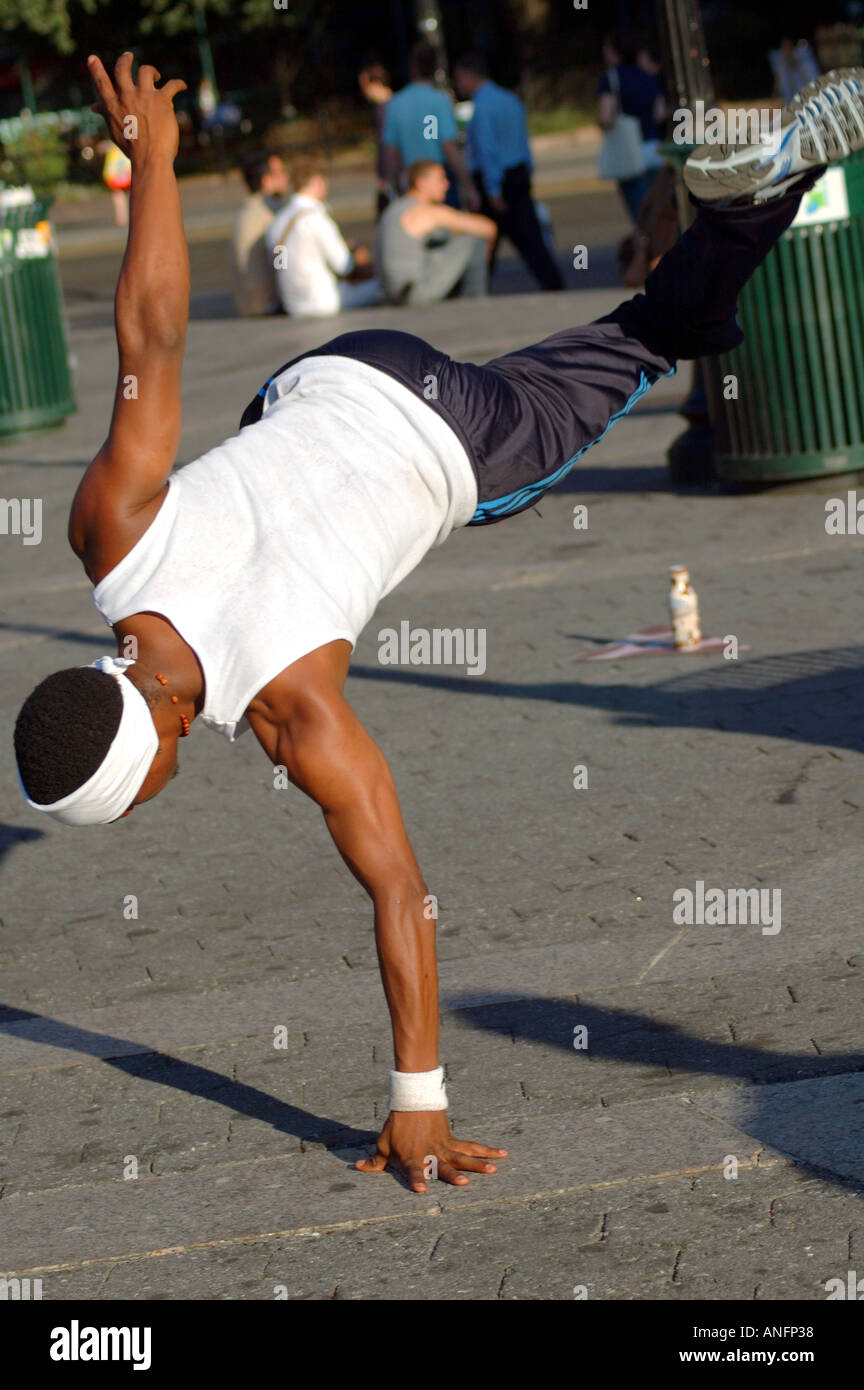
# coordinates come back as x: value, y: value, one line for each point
x: 411, y: 1138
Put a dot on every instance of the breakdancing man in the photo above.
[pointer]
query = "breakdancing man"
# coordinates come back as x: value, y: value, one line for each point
x: 240, y: 583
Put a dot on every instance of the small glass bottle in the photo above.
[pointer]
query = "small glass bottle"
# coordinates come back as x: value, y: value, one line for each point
x: 683, y: 609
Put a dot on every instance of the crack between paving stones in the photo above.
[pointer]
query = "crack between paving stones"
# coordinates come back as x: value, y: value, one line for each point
x: 655, y: 959
x: 339, y: 1227
x: 307, y: 1146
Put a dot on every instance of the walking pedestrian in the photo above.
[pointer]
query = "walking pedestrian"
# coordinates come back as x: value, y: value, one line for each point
x: 499, y: 158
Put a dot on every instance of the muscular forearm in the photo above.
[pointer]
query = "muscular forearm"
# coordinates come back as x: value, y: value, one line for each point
x: 152, y: 301
x: 329, y: 754
x: 303, y: 721
x: 405, y: 939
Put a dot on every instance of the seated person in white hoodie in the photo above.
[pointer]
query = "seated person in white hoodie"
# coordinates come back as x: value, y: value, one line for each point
x: 317, y: 272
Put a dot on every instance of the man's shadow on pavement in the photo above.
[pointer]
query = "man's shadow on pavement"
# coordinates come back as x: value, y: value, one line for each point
x: 808, y: 697
x: 165, y: 1070
x: 825, y: 1138
x: 823, y: 1135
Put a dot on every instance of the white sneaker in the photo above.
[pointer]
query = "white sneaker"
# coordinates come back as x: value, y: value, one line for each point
x: 823, y: 123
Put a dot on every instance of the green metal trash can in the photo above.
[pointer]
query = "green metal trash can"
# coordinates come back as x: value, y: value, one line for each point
x: 799, y: 374
x: 35, y: 380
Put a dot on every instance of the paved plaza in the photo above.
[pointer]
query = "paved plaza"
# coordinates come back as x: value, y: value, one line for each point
x: 707, y: 1142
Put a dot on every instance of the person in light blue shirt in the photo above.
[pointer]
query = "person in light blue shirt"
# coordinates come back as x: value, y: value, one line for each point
x: 419, y: 124
x: 499, y: 159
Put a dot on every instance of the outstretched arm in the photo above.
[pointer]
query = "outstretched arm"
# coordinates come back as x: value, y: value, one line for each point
x: 328, y: 754
x: 151, y: 306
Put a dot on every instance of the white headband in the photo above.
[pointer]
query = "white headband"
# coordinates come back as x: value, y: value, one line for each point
x: 119, y: 777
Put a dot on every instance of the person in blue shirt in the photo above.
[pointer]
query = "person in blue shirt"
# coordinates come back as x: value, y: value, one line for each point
x: 499, y: 158
x: 419, y: 124
x: 629, y: 89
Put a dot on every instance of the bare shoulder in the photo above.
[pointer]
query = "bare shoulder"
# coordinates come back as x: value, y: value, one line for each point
x: 421, y: 219
x: 103, y: 527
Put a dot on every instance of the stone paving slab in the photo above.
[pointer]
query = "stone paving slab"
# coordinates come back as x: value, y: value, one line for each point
x: 241, y: 1100
x: 613, y: 1243
x: 298, y: 1192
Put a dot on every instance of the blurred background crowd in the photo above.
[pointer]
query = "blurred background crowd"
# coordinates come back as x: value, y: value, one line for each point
x: 284, y: 94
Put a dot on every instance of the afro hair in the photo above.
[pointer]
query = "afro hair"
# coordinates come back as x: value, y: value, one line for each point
x: 64, y: 730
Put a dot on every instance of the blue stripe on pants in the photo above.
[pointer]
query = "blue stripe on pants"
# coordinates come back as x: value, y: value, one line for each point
x: 517, y: 501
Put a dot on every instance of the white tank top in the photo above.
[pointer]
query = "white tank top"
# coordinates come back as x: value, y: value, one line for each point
x: 289, y: 534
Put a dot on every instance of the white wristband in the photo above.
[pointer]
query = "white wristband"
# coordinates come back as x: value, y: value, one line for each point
x: 417, y: 1090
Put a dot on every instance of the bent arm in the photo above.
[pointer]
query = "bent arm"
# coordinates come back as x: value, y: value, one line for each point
x: 330, y: 756
x: 333, y: 246
x: 472, y: 223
